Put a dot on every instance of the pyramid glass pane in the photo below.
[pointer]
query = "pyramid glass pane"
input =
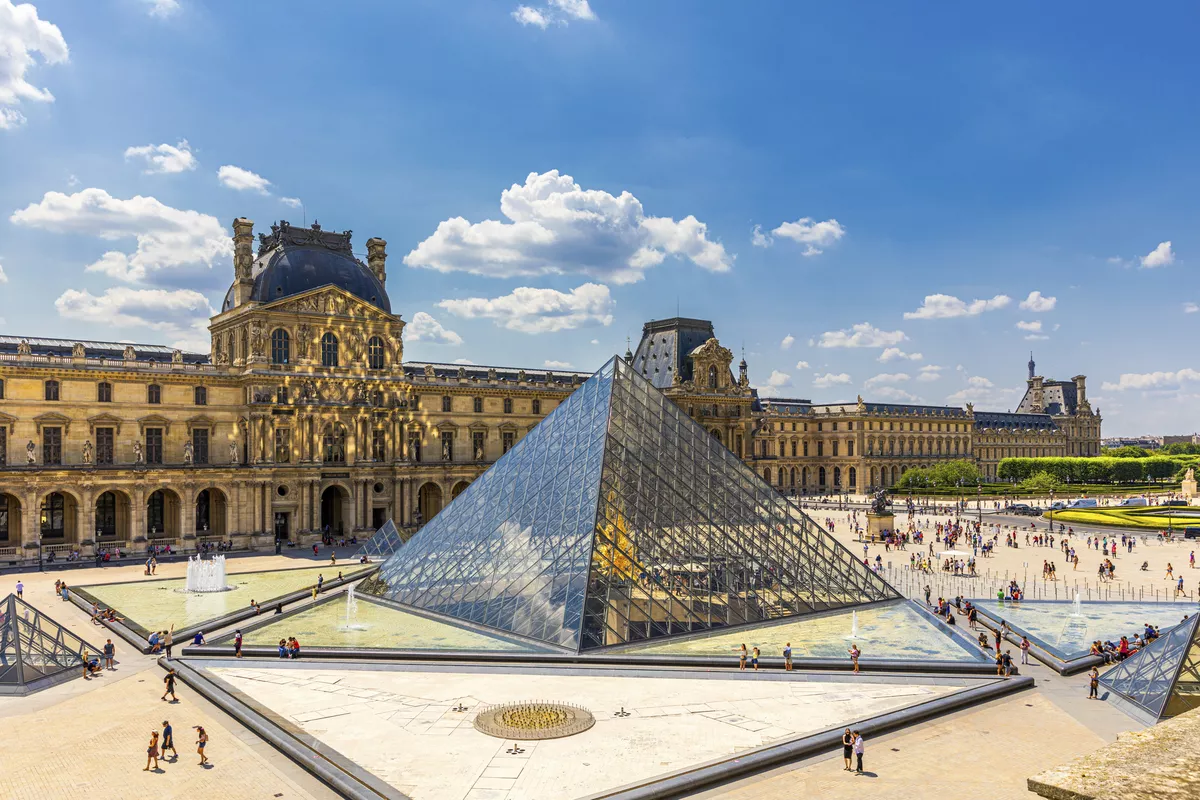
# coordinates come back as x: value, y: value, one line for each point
x: 1162, y: 678
x: 33, y: 646
x: 619, y: 519
x: 382, y: 543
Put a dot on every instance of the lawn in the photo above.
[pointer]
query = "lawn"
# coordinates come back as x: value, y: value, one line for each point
x: 1148, y: 517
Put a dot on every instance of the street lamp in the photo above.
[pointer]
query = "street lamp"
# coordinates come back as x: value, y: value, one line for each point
x: 1051, y: 511
x: 44, y: 520
x: 979, y: 505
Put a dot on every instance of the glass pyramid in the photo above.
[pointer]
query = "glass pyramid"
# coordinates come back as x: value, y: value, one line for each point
x: 34, y: 649
x: 382, y: 543
x: 1163, y: 679
x: 619, y: 519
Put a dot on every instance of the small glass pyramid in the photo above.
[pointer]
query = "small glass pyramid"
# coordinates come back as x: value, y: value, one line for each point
x: 1162, y: 679
x: 619, y: 519
x: 382, y: 543
x: 34, y: 649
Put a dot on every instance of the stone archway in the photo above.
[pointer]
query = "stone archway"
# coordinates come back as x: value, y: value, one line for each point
x: 429, y: 501
x: 211, y: 513
x: 459, y: 488
x: 335, y: 507
x: 164, y: 515
x: 10, y: 520
x: 113, y: 517
x: 58, y: 521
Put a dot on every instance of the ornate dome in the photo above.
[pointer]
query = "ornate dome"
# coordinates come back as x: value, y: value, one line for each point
x: 293, y: 261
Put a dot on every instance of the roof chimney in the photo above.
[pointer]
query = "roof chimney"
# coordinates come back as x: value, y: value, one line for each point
x: 243, y: 259
x: 377, y: 258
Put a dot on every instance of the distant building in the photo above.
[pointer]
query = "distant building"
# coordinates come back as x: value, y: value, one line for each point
x: 1144, y: 442
x: 1186, y: 438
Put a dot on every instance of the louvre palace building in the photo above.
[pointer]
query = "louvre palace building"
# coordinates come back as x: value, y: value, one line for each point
x: 305, y: 417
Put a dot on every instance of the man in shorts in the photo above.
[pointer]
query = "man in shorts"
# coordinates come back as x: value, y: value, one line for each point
x: 168, y: 741
x: 110, y: 653
x: 169, y: 680
x: 787, y: 657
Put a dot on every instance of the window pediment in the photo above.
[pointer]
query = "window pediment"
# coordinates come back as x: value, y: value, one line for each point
x: 153, y: 421
x: 52, y: 419
x: 201, y: 421
x: 7, y: 421
x: 104, y: 421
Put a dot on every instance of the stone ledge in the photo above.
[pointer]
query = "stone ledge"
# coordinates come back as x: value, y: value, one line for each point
x: 1152, y: 764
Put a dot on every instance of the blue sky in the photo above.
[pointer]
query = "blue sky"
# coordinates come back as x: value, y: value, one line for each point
x: 864, y: 196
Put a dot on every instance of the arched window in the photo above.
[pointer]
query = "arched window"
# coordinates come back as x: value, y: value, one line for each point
x: 281, y: 346
x: 792, y: 477
x: 54, y: 515
x: 779, y: 477
x: 837, y: 476
x: 104, y: 392
x: 712, y: 377
x: 334, y: 444
x: 154, y: 394
x: 106, y: 514
x: 329, y: 350
x: 51, y: 390
x: 767, y: 475
x: 375, y: 353
x: 821, y: 476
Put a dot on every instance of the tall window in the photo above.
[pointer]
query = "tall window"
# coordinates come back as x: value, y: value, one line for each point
x: 446, y: 403
x: 477, y: 445
x: 3, y: 517
x: 200, y: 396
x: 835, y: 446
x: 51, y: 390
x: 103, y: 392
x: 447, y: 445
x: 281, y: 346
x: 712, y: 377
x: 375, y: 353
x: 334, y: 444
x: 54, y: 509
x: 795, y: 447
x: 478, y: 405
x: 329, y: 350
x: 155, y: 508
x: 154, y: 394
x: 378, y: 445
x: 104, y: 445
x: 850, y: 448
x: 281, y: 395
x: 283, y: 445
x: 200, y: 446
x: 537, y: 406
x: 1, y: 390
x: 3, y: 445
x: 506, y: 439
x: 154, y: 445
x: 51, y: 446
x: 820, y: 449
x: 508, y: 405
x: 106, y: 515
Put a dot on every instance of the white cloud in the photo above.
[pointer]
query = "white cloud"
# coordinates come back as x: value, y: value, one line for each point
x: 1035, y: 326
x: 167, y: 237
x: 981, y: 392
x: 895, y: 393
x: 886, y: 377
x: 164, y: 158
x: 532, y: 310
x: 550, y: 363
x: 558, y: 12
x: 830, y: 379
x: 556, y: 227
x: 864, y: 334
x: 294, y: 202
x: 424, y: 328
x: 787, y: 342
x: 1036, y: 337
x: 776, y: 381
x: 162, y: 8
x: 463, y: 361
x: 1152, y: 380
x: 944, y: 306
x: 813, y: 235
x: 1038, y: 304
x: 181, y: 313
x: 979, y: 382
x: 1161, y: 256
x: 22, y: 34
x: 3, y: 277
x: 243, y: 180
x: 801, y: 365
x: 1190, y: 308
x: 595, y: 341
x: 894, y: 353
x: 929, y: 373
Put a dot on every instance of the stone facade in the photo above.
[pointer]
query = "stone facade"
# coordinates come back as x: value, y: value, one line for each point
x: 306, y: 417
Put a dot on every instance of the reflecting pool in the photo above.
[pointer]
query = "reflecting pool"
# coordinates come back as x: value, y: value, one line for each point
x: 376, y: 626
x: 1051, y: 625
x: 157, y: 604
x: 893, y: 631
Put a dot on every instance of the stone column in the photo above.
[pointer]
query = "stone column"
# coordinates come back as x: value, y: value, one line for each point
x: 31, y: 518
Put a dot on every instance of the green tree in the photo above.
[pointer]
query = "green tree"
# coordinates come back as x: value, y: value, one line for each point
x: 1159, y: 468
x: 1042, y: 482
x: 1127, y: 470
x: 1128, y: 451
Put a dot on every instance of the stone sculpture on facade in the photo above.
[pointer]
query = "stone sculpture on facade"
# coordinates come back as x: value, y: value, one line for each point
x: 233, y: 453
x: 303, y: 337
x: 87, y: 451
x: 129, y: 354
x: 256, y: 338
x: 188, y: 453
x: 137, y: 452
x: 77, y: 350
x: 31, y: 453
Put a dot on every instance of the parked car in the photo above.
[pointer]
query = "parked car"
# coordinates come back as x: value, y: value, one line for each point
x: 1024, y: 510
x: 1174, y: 502
x: 1191, y: 533
x: 1058, y: 505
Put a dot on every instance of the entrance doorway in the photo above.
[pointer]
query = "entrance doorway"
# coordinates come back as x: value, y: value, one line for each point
x: 378, y: 517
x: 333, y: 506
x: 281, y: 526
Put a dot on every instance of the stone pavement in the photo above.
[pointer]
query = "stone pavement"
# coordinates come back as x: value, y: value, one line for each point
x: 984, y: 753
x: 91, y: 735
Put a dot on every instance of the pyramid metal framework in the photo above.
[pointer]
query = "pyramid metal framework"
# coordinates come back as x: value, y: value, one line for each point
x: 35, y: 651
x: 620, y: 519
x: 382, y: 543
x: 1163, y: 679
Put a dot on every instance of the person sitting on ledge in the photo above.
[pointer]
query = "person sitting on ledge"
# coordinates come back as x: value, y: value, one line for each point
x: 283, y: 648
x: 198, y: 639
x: 155, y: 642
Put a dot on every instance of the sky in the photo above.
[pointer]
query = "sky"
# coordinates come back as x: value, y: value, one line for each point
x: 894, y: 200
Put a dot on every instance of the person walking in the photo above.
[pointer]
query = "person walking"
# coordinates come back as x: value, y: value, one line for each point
x: 1025, y: 645
x: 859, y: 750
x: 854, y: 654
x: 787, y: 657
x: 201, y: 741
x: 110, y: 652
x: 152, y: 752
x: 20, y: 590
x: 169, y: 680
x: 742, y: 659
x: 168, y: 741
x: 847, y: 749
x: 237, y: 643
x: 1093, y: 684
